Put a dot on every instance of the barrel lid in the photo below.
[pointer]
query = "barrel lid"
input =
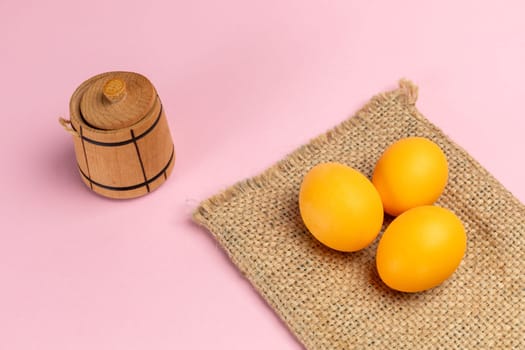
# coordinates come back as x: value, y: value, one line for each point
x: 117, y: 100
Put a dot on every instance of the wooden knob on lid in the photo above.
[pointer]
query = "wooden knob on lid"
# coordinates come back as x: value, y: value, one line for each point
x: 114, y: 90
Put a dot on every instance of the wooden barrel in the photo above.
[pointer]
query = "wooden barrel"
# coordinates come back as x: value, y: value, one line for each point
x: 122, y: 140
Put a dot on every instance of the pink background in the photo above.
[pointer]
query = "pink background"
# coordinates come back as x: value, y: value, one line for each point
x: 243, y: 84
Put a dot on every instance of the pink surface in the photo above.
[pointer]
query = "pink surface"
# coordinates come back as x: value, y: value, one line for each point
x: 243, y: 84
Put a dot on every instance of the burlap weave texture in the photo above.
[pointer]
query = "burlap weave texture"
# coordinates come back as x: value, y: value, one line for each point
x: 333, y: 300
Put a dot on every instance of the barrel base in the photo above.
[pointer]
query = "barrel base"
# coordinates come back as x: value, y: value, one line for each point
x: 129, y: 192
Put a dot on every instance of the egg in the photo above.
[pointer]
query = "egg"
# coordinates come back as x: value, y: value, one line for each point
x: 411, y: 172
x: 340, y: 207
x: 420, y: 249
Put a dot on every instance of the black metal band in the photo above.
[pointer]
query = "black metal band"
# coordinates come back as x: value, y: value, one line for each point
x: 140, y: 159
x: 132, y: 187
x: 85, y: 155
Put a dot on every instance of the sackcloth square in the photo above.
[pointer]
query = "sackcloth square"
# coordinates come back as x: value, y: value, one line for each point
x: 333, y: 300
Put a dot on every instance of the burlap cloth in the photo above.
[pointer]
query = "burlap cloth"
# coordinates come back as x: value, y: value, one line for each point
x: 333, y: 300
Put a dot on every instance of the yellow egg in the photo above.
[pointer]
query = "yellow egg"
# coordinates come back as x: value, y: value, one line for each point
x: 411, y: 172
x: 420, y: 249
x: 340, y: 207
